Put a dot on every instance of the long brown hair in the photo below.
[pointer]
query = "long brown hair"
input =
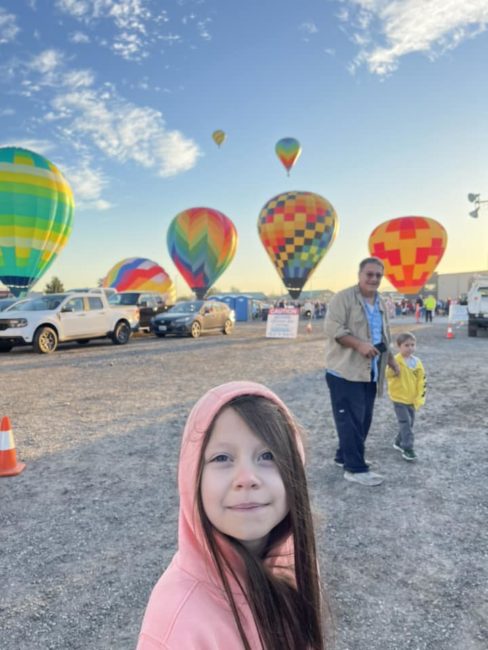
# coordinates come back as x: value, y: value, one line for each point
x: 287, y: 609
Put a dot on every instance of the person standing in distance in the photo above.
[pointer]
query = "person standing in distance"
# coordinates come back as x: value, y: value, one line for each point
x: 357, y: 336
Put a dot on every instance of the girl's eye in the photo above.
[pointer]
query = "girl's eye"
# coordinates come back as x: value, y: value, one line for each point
x: 267, y: 455
x: 221, y: 458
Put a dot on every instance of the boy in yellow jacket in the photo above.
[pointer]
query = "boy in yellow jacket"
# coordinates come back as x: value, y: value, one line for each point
x: 407, y: 391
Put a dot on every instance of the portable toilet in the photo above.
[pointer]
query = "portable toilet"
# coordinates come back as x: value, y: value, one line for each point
x: 242, y: 308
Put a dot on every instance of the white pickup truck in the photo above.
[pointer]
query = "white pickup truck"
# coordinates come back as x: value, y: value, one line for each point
x: 478, y: 306
x: 46, y: 320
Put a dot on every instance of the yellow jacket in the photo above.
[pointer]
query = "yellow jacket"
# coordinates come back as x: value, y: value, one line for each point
x: 410, y: 385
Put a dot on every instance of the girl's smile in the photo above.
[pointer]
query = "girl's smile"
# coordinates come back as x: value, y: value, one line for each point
x: 243, y: 493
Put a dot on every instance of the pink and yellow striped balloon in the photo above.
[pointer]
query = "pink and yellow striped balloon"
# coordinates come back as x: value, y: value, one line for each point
x: 202, y: 242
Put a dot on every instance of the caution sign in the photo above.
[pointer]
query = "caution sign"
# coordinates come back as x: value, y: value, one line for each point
x: 282, y: 323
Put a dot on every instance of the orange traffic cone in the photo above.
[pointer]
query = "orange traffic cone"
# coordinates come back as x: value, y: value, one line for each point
x: 309, y: 327
x: 449, y: 333
x: 8, y: 456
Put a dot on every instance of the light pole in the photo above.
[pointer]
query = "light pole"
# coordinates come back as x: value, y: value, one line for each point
x: 475, y: 198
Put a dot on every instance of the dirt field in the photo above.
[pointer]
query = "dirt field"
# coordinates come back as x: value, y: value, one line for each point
x: 89, y: 526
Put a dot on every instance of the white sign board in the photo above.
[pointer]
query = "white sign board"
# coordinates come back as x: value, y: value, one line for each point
x: 282, y: 323
x: 458, y: 313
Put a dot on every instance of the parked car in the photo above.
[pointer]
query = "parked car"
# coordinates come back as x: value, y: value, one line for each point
x: 45, y: 321
x: 150, y: 304
x: 7, y: 302
x: 194, y: 317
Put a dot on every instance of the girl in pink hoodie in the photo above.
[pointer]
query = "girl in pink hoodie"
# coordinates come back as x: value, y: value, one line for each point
x: 245, y: 574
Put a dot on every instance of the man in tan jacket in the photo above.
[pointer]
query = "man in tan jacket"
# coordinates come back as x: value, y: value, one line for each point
x: 357, y: 351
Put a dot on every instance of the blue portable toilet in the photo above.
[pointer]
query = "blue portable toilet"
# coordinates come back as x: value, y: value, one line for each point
x: 242, y: 308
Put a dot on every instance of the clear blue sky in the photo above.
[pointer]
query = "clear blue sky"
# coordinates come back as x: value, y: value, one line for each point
x: 388, y: 99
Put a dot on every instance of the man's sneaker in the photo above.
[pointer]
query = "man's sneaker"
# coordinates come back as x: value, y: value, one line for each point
x: 366, y: 462
x: 395, y: 446
x: 364, y: 478
x: 409, y: 454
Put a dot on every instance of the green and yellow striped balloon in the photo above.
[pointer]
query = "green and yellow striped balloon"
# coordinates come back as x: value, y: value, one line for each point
x: 36, y: 217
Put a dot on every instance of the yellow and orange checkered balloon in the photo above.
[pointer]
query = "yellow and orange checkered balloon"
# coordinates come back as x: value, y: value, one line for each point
x: 410, y: 248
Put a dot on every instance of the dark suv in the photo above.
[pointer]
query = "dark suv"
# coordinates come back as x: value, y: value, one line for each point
x: 150, y: 303
x: 194, y: 317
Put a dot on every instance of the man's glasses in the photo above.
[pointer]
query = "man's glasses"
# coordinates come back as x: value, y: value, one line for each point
x: 374, y: 275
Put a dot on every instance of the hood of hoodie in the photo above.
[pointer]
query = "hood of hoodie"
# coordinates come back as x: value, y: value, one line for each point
x: 193, y: 555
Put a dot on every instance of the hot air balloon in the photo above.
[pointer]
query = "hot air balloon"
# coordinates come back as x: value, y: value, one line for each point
x: 36, y: 217
x: 411, y: 248
x: 202, y: 242
x: 219, y: 137
x: 288, y: 151
x: 140, y: 274
x: 297, y: 229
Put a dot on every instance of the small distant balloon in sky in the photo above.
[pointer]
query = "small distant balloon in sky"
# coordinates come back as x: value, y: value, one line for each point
x: 288, y: 151
x: 219, y: 137
x: 202, y: 242
x: 140, y: 274
x: 296, y: 230
x: 410, y: 248
x: 36, y: 217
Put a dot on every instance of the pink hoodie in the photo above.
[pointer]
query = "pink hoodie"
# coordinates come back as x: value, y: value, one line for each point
x: 188, y: 609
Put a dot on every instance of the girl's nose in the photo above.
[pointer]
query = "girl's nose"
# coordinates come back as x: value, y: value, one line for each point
x: 246, y: 477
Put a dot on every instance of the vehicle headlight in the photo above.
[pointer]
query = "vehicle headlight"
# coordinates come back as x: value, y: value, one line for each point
x: 18, y: 322
x: 184, y: 319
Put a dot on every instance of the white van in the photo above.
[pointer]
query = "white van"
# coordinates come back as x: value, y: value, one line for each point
x: 478, y: 306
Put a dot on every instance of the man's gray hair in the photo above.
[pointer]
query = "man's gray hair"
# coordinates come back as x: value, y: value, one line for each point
x: 371, y: 260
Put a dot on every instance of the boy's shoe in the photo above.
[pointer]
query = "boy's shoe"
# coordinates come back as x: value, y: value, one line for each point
x: 395, y: 446
x: 368, y: 479
x: 409, y: 454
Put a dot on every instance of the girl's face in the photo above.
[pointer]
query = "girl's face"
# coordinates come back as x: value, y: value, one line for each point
x: 242, y: 491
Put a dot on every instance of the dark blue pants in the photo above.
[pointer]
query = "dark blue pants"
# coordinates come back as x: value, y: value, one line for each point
x: 352, y: 406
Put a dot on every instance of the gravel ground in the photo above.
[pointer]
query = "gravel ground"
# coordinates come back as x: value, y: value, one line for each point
x: 88, y: 527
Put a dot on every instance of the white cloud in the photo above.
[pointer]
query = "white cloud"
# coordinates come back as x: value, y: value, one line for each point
x: 47, y: 61
x: 124, y: 131
x: 43, y: 147
x: 6, y: 112
x: 87, y: 184
x: 309, y: 28
x: 133, y: 25
x: 79, y: 38
x: 8, y: 26
x: 386, y: 30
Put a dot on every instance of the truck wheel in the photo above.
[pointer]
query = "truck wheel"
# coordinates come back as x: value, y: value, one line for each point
x: 472, y: 330
x: 45, y: 340
x: 121, y: 333
x: 5, y: 347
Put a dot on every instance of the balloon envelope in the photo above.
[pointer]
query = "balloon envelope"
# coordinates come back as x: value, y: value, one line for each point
x: 36, y: 216
x: 218, y: 137
x: 140, y: 274
x: 297, y: 229
x: 288, y: 151
x: 410, y: 248
x: 202, y: 242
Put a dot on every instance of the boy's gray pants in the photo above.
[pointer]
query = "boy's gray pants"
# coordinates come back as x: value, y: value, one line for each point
x: 406, y: 416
